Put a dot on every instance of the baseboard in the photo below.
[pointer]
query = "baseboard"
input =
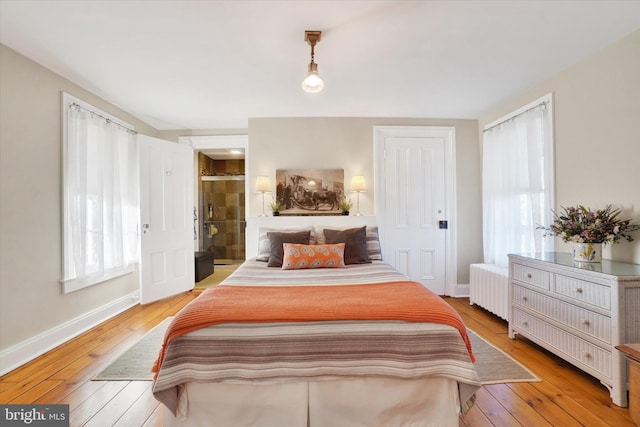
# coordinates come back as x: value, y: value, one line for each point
x: 21, y: 353
x: 459, y: 291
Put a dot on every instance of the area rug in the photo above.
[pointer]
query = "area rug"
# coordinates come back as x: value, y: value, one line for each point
x: 493, y: 365
x: 135, y: 363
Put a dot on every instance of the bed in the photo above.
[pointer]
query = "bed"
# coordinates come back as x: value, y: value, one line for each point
x: 349, y: 344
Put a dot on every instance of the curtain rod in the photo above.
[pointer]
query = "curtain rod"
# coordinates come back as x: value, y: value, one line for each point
x: 543, y: 103
x: 107, y: 119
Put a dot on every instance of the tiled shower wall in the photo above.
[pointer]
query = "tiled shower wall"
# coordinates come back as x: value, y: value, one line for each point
x: 222, y: 198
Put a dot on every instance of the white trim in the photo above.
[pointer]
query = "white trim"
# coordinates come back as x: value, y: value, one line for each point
x: 551, y: 153
x: 84, y: 282
x: 460, y: 291
x: 449, y: 135
x: 215, y: 141
x: 451, y: 197
x: 35, y: 346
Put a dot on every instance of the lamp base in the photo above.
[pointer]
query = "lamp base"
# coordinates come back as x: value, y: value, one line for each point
x: 358, y: 204
x: 263, y: 214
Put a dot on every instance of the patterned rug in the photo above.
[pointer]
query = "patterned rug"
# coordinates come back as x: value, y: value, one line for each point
x: 493, y: 365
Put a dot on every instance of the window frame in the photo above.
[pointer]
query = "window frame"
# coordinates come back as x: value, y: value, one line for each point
x: 77, y: 283
x: 548, y: 159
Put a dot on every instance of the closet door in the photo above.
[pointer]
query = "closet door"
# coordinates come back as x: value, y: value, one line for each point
x: 412, y: 197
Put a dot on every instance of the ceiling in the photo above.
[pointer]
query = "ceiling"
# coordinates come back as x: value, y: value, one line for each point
x: 214, y: 64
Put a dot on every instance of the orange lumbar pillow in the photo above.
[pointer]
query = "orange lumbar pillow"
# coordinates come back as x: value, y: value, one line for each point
x: 298, y: 256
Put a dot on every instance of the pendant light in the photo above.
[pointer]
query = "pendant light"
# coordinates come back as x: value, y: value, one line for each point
x: 312, y: 83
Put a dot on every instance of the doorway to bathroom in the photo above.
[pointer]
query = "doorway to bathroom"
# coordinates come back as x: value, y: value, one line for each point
x: 222, y: 205
x: 220, y: 198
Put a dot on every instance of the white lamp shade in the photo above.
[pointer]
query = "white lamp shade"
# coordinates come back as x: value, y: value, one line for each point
x: 263, y: 184
x: 357, y: 184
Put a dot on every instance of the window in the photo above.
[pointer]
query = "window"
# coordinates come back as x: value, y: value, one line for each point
x: 100, y: 196
x: 518, y: 182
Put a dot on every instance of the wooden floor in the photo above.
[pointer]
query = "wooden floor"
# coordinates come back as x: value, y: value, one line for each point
x: 565, y: 397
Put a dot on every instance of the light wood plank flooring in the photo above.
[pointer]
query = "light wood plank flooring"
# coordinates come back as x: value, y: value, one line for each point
x: 566, y: 397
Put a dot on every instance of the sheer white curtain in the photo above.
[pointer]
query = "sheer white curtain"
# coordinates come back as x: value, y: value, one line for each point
x: 517, y: 184
x: 101, y: 208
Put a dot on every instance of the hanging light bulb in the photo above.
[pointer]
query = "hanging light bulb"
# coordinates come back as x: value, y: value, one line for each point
x: 312, y: 83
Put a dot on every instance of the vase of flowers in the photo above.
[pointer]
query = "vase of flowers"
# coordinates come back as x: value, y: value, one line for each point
x: 589, y: 230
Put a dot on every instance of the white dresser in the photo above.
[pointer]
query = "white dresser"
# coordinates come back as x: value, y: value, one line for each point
x: 578, y: 311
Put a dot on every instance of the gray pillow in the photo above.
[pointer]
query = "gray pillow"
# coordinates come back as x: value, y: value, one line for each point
x: 276, y: 241
x: 264, y: 247
x: 373, y: 240
x: 355, y: 244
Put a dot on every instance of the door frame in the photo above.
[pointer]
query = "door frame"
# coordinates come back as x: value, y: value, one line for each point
x: 380, y: 133
x: 210, y: 142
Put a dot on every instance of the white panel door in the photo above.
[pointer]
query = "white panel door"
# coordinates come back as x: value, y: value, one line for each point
x: 166, y: 213
x: 414, y: 204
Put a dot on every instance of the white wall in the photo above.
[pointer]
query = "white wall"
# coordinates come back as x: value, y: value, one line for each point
x: 347, y: 143
x: 31, y: 301
x: 597, y: 135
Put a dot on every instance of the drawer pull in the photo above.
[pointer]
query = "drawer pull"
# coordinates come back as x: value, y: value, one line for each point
x: 529, y: 276
x: 585, y: 323
x: 525, y: 323
x: 525, y: 299
x: 579, y: 290
x: 587, y: 355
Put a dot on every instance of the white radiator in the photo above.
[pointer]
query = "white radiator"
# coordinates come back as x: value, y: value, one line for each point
x: 489, y: 288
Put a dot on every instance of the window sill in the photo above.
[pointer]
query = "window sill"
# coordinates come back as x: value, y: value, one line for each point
x: 72, y: 285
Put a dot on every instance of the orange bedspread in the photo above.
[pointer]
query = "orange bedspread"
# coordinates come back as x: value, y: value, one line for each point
x: 406, y: 300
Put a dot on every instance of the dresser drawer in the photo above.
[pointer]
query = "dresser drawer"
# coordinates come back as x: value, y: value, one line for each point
x: 531, y: 276
x: 579, y: 352
x: 583, y: 291
x: 594, y: 324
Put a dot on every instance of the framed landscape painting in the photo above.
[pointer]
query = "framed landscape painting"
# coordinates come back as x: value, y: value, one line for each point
x: 310, y: 191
